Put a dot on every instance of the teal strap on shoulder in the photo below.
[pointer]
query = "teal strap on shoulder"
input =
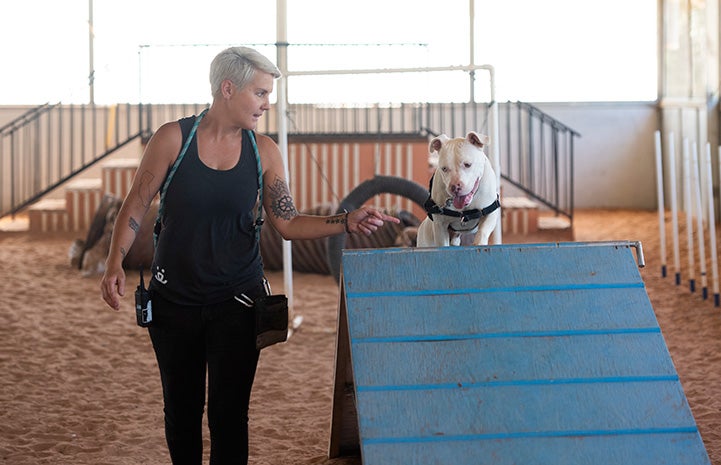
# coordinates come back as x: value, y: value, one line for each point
x: 173, y: 169
x: 259, y: 166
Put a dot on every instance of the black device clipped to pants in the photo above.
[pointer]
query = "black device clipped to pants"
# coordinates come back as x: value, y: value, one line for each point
x: 143, y: 304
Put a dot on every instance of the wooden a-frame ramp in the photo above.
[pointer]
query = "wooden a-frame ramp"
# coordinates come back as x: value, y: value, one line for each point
x: 507, y: 354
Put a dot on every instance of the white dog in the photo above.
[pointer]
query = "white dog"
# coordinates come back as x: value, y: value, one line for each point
x: 463, y: 195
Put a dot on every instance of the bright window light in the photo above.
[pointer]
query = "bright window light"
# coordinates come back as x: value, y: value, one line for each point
x: 555, y: 50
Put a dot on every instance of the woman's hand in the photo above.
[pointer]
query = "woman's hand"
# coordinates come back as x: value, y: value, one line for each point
x: 366, y: 220
x: 112, y: 286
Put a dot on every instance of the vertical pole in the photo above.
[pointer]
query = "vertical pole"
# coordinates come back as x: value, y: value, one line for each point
x: 497, y: 235
x: 140, y: 74
x: 712, y: 226
x: 282, y: 120
x: 91, y: 52
x: 688, y: 206
x: 674, y: 207
x: 660, y: 201
x: 698, y: 209
x: 472, y: 42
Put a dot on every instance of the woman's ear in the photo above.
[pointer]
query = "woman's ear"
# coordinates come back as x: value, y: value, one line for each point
x: 227, y: 88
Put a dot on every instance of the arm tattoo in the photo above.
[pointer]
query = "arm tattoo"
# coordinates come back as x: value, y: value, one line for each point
x: 133, y: 225
x: 281, y: 202
x: 144, y: 191
x: 123, y: 252
x: 337, y: 219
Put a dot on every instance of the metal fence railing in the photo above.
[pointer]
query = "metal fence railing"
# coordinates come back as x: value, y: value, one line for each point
x: 538, y: 156
x: 48, y: 145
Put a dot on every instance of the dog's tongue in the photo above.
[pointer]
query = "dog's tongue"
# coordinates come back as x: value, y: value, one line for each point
x: 460, y: 201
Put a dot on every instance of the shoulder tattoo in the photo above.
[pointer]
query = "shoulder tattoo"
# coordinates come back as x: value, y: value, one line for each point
x: 281, y: 202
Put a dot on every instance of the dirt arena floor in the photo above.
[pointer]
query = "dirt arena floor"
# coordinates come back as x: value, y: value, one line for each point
x: 79, y: 384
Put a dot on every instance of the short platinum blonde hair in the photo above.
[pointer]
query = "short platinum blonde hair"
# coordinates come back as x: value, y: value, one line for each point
x: 238, y: 64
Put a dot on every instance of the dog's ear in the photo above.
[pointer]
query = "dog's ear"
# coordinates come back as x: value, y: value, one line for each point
x: 437, y: 143
x: 479, y: 140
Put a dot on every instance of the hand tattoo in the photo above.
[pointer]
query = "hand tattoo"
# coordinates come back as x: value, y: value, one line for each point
x: 281, y: 202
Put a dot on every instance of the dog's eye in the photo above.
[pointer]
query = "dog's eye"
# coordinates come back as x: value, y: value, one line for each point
x: 444, y: 169
x: 467, y: 164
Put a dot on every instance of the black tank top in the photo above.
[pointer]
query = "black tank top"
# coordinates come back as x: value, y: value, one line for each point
x: 207, y: 251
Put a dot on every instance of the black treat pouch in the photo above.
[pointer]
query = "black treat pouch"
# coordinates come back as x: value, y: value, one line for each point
x: 271, y: 320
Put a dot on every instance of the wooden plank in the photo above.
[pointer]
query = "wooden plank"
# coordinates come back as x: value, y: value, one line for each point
x: 652, y: 449
x: 501, y: 411
x: 425, y: 271
x: 504, y: 359
x: 344, y: 439
x: 501, y: 312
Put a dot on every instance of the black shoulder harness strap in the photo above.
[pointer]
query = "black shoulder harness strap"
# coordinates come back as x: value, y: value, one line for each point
x: 465, y: 215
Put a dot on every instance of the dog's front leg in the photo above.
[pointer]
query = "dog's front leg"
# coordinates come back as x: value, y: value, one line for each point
x: 440, y: 234
x: 485, y: 229
x: 454, y: 237
x: 481, y: 237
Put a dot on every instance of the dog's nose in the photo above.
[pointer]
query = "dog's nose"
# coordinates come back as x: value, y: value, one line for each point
x: 456, y: 188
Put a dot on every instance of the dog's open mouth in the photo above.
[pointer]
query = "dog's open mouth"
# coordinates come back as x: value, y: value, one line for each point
x: 462, y: 201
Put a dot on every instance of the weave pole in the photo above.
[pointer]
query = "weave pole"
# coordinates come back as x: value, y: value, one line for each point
x: 660, y: 201
x: 689, y: 215
x: 674, y: 208
x: 695, y: 178
x: 712, y: 225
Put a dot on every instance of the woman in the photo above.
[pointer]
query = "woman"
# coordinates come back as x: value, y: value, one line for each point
x: 207, y: 253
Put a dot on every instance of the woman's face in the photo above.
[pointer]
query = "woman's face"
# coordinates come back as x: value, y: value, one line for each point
x: 250, y: 102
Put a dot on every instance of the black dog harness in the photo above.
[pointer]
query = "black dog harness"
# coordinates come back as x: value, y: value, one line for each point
x: 464, y: 216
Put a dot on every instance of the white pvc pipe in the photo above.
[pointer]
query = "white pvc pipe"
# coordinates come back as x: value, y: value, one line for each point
x: 333, y: 72
x: 674, y: 207
x: 497, y: 235
x: 282, y: 120
x: 712, y: 225
x: 472, y: 46
x: 660, y: 202
x: 687, y: 205
x: 695, y: 178
x: 91, y: 52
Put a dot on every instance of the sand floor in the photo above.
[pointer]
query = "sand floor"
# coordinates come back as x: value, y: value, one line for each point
x: 79, y: 384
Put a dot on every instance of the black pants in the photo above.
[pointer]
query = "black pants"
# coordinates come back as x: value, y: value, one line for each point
x: 187, y: 340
